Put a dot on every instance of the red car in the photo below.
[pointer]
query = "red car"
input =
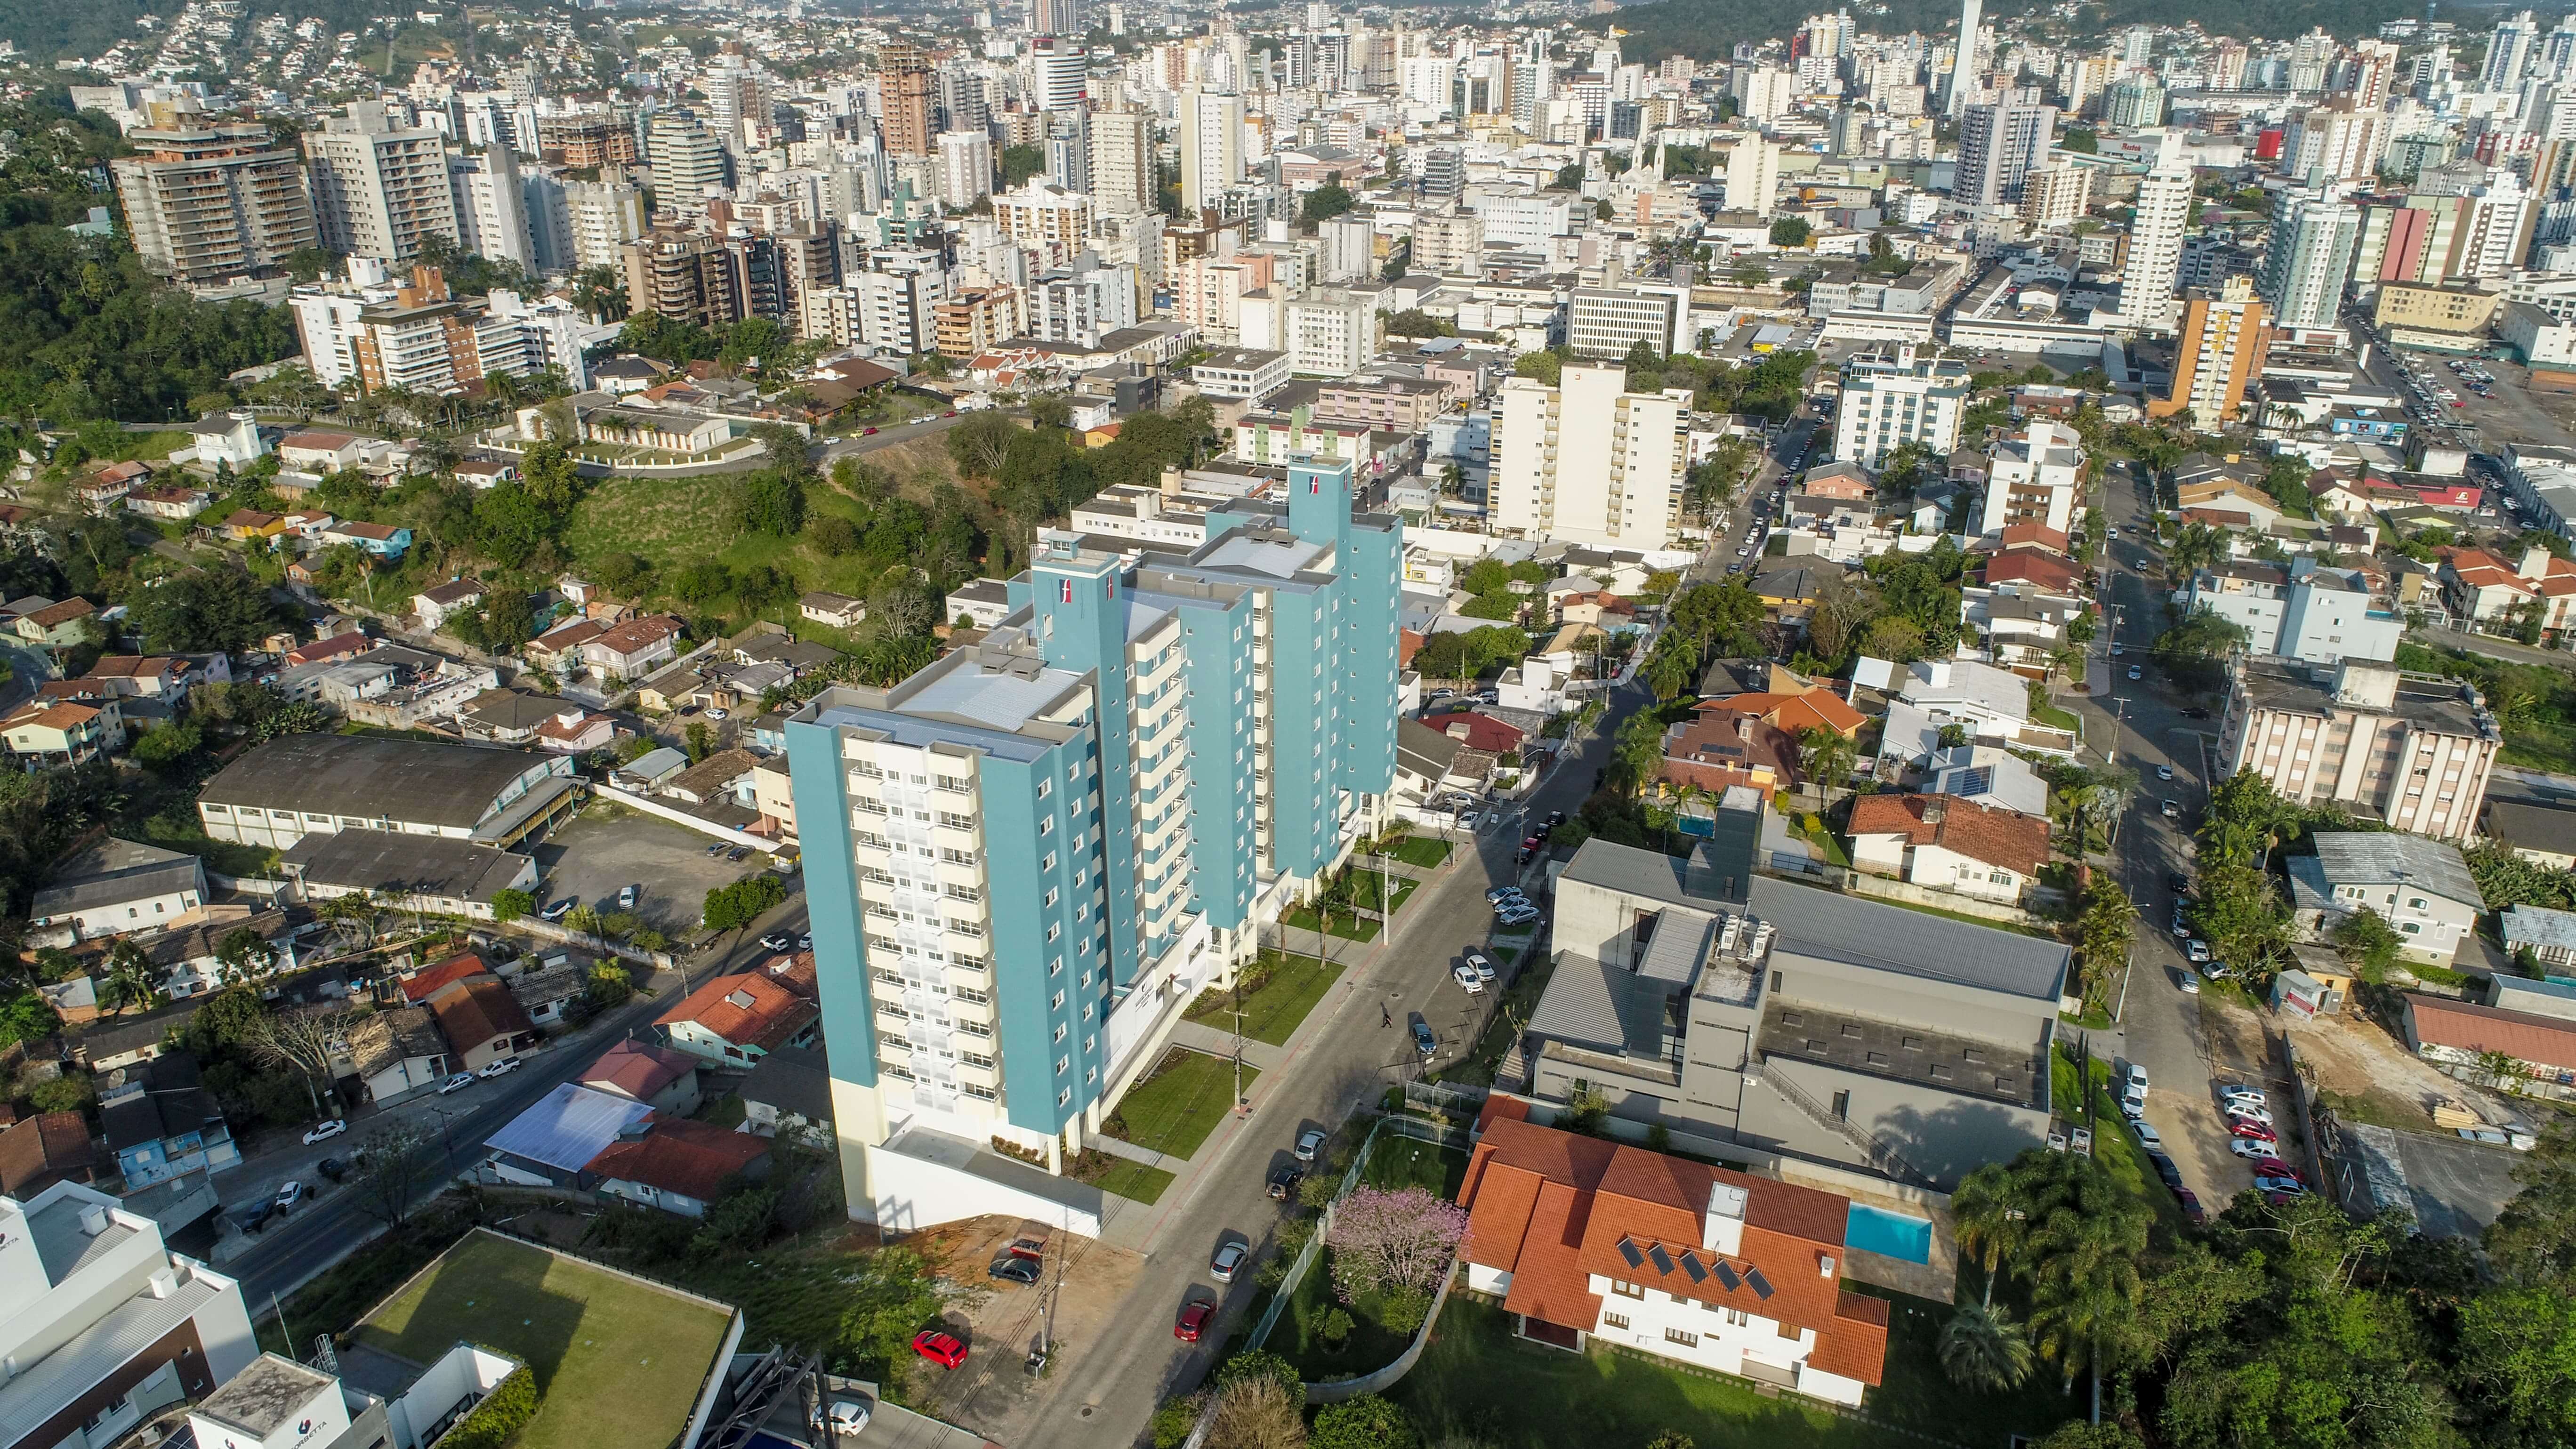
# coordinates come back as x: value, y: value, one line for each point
x: 943, y: 1349
x: 870, y: 433
x: 2275, y: 1167
x: 2191, y: 1208
x: 2252, y: 1131
x: 1194, y: 1318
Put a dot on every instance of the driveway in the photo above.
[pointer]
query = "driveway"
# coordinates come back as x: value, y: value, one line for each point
x: 593, y: 858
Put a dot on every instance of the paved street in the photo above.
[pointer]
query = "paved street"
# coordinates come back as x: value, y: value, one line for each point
x: 2140, y: 725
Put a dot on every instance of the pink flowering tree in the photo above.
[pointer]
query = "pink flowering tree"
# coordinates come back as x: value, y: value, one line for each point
x: 1394, y: 1242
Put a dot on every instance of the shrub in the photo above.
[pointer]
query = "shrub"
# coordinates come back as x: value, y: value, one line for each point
x: 1174, y: 1421
x: 501, y: 1415
x: 1336, y: 1328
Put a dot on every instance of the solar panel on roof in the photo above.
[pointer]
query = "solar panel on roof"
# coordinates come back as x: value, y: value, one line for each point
x: 1726, y: 1275
x: 1690, y: 1265
x: 1663, y: 1260
x: 1628, y: 1250
x: 1760, y: 1285
x: 1975, y: 782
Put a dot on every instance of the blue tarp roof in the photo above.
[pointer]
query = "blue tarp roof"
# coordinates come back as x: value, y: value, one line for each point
x: 568, y: 1127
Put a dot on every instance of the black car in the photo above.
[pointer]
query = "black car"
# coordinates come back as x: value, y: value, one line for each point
x: 332, y: 1168
x: 1012, y: 1268
x: 2195, y: 712
x: 1284, y: 1181
x: 1423, y: 1041
x: 2165, y: 1169
x: 255, y: 1217
x: 2180, y: 883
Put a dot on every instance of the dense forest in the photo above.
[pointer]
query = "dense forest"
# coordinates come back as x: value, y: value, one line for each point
x: 87, y: 333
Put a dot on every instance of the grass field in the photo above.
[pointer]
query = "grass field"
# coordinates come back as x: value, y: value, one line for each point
x: 1135, y: 1182
x: 1349, y: 928
x: 615, y: 1361
x: 1273, y: 1013
x: 1422, y: 852
x: 1173, y: 1111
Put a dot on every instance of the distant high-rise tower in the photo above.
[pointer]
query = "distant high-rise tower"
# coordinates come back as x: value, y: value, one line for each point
x: 1122, y: 162
x: 1963, y: 67
x: 2155, y: 237
x: 1055, y: 17
x: 904, y: 95
x: 2308, y: 257
x: 2510, y: 52
x: 1998, y: 146
x: 1211, y: 140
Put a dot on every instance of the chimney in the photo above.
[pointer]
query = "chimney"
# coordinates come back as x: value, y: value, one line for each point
x: 1722, y: 1227
x: 1935, y: 808
x: 2535, y: 563
x: 93, y: 1220
x: 1744, y: 728
x: 165, y: 1282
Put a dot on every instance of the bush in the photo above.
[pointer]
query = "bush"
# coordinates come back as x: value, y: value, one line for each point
x: 1401, y: 1310
x: 1336, y: 1328
x: 501, y: 1415
x: 1174, y: 1421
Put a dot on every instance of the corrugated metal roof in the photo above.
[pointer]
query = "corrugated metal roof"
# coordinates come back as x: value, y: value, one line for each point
x: 55, y: 1381
x: 568, y: 1127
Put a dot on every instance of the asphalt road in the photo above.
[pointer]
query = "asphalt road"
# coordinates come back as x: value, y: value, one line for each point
x: 1791, y: 444
x: 2142, y: 723
x: 336, y: 1223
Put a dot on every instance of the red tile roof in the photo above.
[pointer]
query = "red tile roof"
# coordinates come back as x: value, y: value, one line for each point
x: 1553, y: 1209
x: 480, y: 1012
x: 352, y: 642
x: 1794, y: 711
x: 428, y: 981
x: 680, y: 1156
x: 1479, y: 731
x: 2543, y: 1041
x: 43, y: 1150
x: 2480, y: 569
x: 1989, y: 834
x: 751, y: 1009
x: 638, y: 1069
x: 62, y: 613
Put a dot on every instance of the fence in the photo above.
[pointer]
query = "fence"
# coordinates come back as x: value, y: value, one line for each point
x: 545, y: 930
x: 1304, y: 1262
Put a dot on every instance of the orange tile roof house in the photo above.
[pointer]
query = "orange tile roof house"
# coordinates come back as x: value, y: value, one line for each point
x: 433, y: 981
x: 1949, y: 844
x: 741, y: 1018
x: 2480, y: 585
x: 660, y: 1078
x: 2453, y: 1034
x: 1712, y: 1268
x: 677, y: 1165
x: 483, y: 1023
x: 1721, y: 747
x: 56, y: 626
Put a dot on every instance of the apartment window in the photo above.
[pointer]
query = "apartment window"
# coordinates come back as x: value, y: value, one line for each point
x: 1789, y: 1330
x: 1681, y: 1336
x: 1738, y: 1318
x: 1057, y: 1003
x: 1063, y: 1065
x: 1628, y: 1290
x: 1614, y: 1320
x: 1066, y: 1095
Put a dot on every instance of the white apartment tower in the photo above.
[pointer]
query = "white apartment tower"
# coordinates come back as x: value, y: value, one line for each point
x: 1211, y: 141
x: 1589, y: 462
x: 491, y: 206
x: 378, y: 191
x: 2147, y: 296
x: 1890, y: 399
x: 1122, y: 162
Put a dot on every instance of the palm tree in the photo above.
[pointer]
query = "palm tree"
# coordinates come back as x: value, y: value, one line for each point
x: 1826, y: 755
x: 1984, y: 1350
x: 354, y: 913
x: 130, y: 979
x: 1991, y: 1215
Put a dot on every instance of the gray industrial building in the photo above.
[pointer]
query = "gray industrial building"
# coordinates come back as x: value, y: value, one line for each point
x: 1792, y: 1018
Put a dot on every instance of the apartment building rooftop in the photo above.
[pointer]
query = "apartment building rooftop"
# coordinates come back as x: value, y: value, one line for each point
x: 2428, y: 701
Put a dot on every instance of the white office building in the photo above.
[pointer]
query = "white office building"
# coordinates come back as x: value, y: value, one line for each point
x: 1588, y: 461
x: 1893, y: 398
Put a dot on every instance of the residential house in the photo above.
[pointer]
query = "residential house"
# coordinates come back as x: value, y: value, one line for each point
x: 840, y: 611
x: 631, y: 649
x: 176, y: 502
x: 576, y: 731
x: 2422, y: 887
x: 552, y: 993
x: 2549, y: 935
x: 2479, y: 585
x: 190, y: 961
x: 1433, y: 770
x: 487, y: 472
x: 101, y: 490
x: 1945, y: 702
x: 1949, y: 844
x: 437, y: 604
x: 380, y: 540
x: 315, y: 450
x: 2023, y: 625
x: 647, y: 771
x: 170, y: 678
x: 678, y: 1165
x: 719, y: 777
x: 659, y: 1077
x: 553, y: 1142
x: 118, y: 886
x: 789, y: 1093
x: 738, y: 1019
x: 162, y: 1122
x: 397, y: 1052
x: 57, y: 626
x: 63, y: 732
x: 483, y: 1023
x: 227, y: 438
x: 251, y: 525
x: 2226, y: 501
x: 1987, y: 775
x: 982, y: 603
x: 1704, y: 1266
x: 37, y: 1152
x: 2463, y: 1039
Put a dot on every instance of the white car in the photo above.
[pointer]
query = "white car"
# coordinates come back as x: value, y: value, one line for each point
x: 2247, y: 1112
x: 457, y: 1083
x: 2137, y: 673
x: 2147, y: 1136
x: 2164, y: 772
x: 845, y: 1416
x: 325, y: 1131
x: 2250, y: 1096
x: 2251, y: 1150
x: 1467, y: 979
x: 2190, y: 984
x: 2195, y: 950
x: 502, y: 1068
x: 2137, y: 1077
x: 289, y: 1193
x: 1482, y: 965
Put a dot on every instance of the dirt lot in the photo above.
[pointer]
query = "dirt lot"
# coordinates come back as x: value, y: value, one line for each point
x: 1084, y: 1284
x: 2368, y: 1075
x: 593, y: 857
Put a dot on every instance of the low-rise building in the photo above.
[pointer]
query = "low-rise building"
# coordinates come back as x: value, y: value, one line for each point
x: 2540, y: 831
x: 2302, y: 611
x: 162, y: 1122
x: 120, y: 886
x: 396, y: 1052
x: 483, y: 1024
x: 657, y: 1076
x: 2550, y: 936
x: 2421, y: 887
x: 405, y: 872
x: 1949, y: 844
x: 278, y: 792
x: 740, y: 1018
x: 440, y: 602
x: 2469, y: 1042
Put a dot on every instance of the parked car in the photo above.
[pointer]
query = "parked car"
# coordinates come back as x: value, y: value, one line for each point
x: 944, y: 1349
x: 716, y: 848
x: 2252, y: 1149
x: 1467, y: 979
x: 2195, y: 950
x: 1194, y: 1319
x: 2164, y: 772
x: 2253, y: 1131
x: 1228, y: 1261
x: 738, y: 853
x: 2191, y: 1208
x: 325, y: 1131
x: 2165, y: 1169
x: 557, y: 910
x: 1482, y: 965
x: 457, y: 1083
x: 1518, y: 916
x: 775, y: 941
x: 1423, y: 1041
x: 626, y: 897
x: 2240, y: 1112
x: 2170, y: 810
x: 255, y: 1217
x: 2148, y: 1137
x: 1012, y: 1268
x: 502, y: 1068
x: 2190, y: 984
x: 2284, y: 1186
x: 2177, y: 882
x: 1310, y: 1143
x: 289, y: 1193
x: 2239, y: 1092
x: 332, y: 1168
x: 1284, y: 1180
x: 1500, y: 894
x: 843, y: 1416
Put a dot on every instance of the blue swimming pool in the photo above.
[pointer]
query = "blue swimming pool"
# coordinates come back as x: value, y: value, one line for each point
x: 1876, y: 1230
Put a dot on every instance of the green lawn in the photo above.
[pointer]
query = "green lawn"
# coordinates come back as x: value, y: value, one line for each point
x: 667, y: 520
x: 1131, y: 1180
x: 1364, y: 891
x: 1173, y: 1111
x: 1272, y: 1013
x: 1616, y: 1397
x: 2059, y: 719
x: 1398, y: 1162
x: 2114, y: 1146
x: 615, y: 1361
x: 1422, y: 852
x: 1349, y: 928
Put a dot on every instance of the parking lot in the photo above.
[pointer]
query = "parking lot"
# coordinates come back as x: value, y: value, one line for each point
x: 594, y: 857
x: 2458, y: 1186
x: 1075, y: 1305
x: 2509, y: 412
